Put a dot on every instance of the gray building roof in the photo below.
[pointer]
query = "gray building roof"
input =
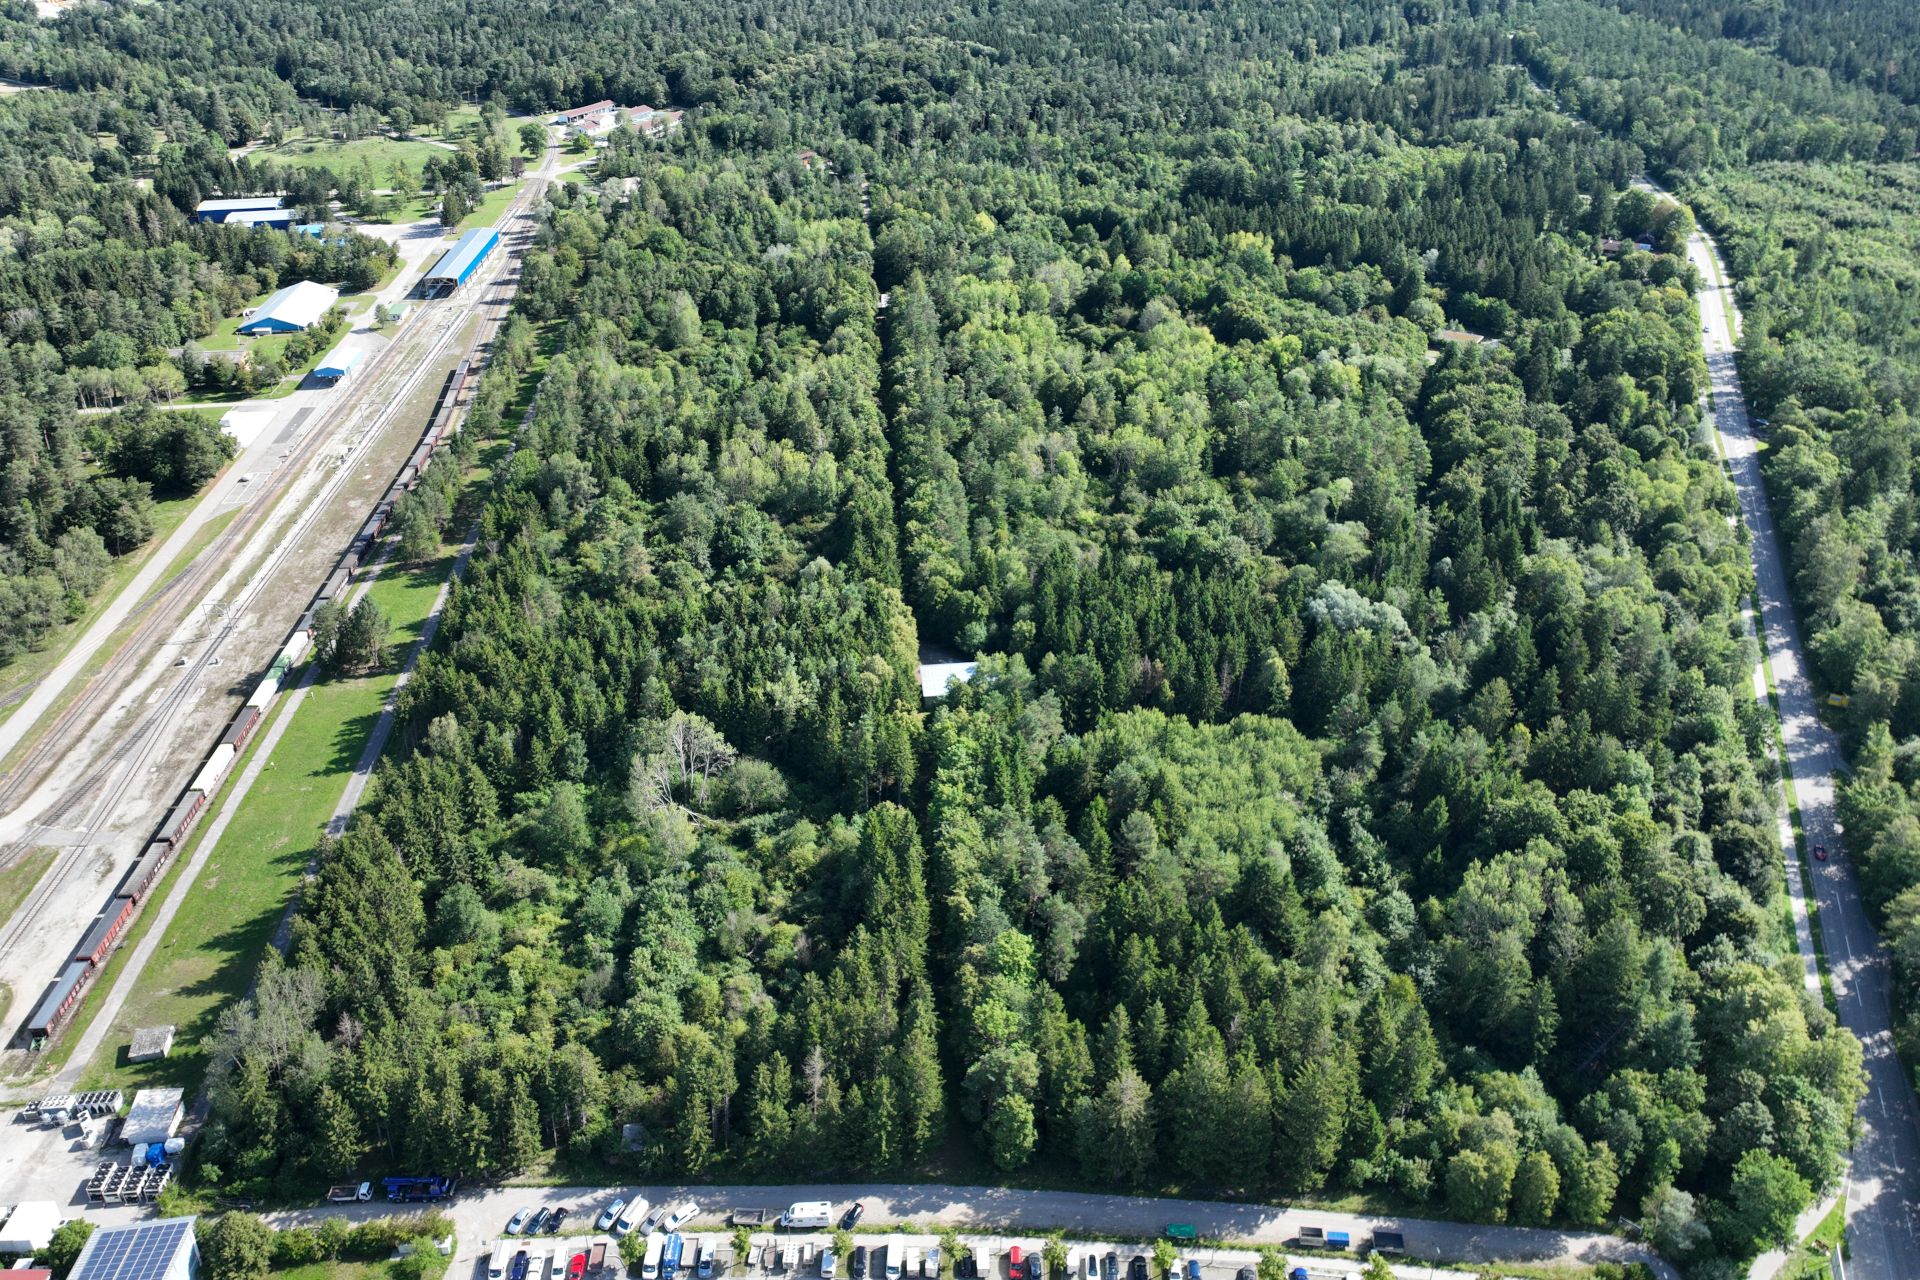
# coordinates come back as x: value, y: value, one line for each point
x: 154, y: 1116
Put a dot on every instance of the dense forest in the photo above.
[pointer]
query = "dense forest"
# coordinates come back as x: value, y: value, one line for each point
x: 1818, y: 212
x: 1361, y: 790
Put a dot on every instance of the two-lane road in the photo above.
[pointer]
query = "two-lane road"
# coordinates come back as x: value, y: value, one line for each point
x: 1883, y: 1198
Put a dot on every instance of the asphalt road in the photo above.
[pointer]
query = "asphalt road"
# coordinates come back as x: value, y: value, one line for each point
x: 1883, y: 1198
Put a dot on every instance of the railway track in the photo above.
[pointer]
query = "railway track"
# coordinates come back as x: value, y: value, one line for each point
x: 106, y: 783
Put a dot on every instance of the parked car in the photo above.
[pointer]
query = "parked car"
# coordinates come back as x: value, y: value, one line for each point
x: 704, y: 1268
x: 577, y: 1266
x: 679, y: 1216
x: 540, y: 1221
x: 1110, y: 1266
x: 631, y: 1216
x: 851, y: 1218
x: 1089, y: 1266
x: 518, y: 1223
x: 1137, y: 1267
x: 858, y: 1267
x: 1036, y: 1267
x: 829, y: 1265
x: 518, y: 1271
x: 1015, y: 1264
x: 1193, y: 1269
x: 609, y: 1215
x: 558, y: 1219
x: 1246, y: 1273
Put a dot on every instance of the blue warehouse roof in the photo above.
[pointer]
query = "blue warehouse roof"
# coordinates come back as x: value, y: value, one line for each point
x: 457, y: 263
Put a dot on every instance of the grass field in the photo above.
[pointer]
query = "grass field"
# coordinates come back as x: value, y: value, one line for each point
x: 210, y: 951
x: 379, y: 154
x: 492, y: 205
x: 30, y: 669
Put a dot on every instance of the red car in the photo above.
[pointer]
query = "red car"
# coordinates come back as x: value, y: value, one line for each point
x: 1819, y: 853
x: 578, y: 1267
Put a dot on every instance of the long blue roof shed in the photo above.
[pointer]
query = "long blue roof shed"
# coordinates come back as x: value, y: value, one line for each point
x: 338, y: 364
x: 460, y: 262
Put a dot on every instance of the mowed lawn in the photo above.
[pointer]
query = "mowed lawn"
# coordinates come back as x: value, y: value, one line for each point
x: 211, y: 950
x: 380, y: 155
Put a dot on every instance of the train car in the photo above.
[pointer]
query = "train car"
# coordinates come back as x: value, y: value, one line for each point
x: 99, y: 939
x: 297, y: 646
x: 208, y: 779
x: 370, y: 531
x: 263, y: 692
x: 337, y: 584
x: 180, y: 821
x: 420, y: 458
x: 304, y: 627
x: 243, y: 723
x: 59, y: 1004
x: 407, y: 474
x: 135, y: 885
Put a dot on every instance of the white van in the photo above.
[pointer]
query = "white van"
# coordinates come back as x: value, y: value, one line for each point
x: 632, y: 1216
x: 896, y: 1250
x: 808, y: 1215
x: 497, y: 1264
x: 650, y: 1267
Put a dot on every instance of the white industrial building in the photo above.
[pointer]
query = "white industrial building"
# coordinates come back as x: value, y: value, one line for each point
x: 29, y: 1227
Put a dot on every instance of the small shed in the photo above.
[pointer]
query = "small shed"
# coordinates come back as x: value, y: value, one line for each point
x: 338, y: 364
x: 29, y: 1227
x: 151, y: 1044
x: 155, y: 1116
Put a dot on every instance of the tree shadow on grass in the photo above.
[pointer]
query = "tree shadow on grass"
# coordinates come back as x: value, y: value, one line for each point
x: 349, y: 740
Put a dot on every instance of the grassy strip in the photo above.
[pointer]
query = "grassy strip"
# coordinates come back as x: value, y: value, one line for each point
x: 209, y: 952
x: 1808, y: 1259
x: 18, y: 880
x: 30, y: 669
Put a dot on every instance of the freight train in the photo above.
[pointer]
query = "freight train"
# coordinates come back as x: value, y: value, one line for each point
x: 89, y: 955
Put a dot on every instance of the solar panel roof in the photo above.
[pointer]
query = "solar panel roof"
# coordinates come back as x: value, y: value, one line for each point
x: 141, y: 1252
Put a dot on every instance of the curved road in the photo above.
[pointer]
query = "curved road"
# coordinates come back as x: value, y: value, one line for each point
x: 1883, y: 1197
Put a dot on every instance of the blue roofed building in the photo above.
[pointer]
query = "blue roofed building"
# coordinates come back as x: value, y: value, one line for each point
x: 162, y: 1249
x: 281, y: 218
x: 222, y: 208
x: 459, y: 263
x: 291, y: 309
x: 338, y: 363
